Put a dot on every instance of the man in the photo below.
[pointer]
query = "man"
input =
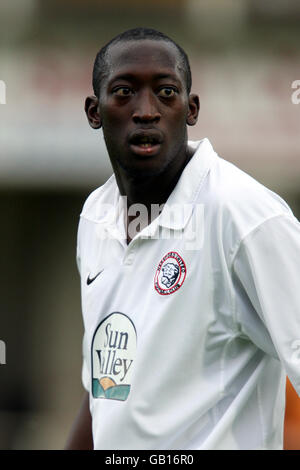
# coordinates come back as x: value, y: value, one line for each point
x: 198, y: 362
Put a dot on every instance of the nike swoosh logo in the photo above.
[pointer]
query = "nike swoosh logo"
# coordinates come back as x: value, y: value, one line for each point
x: 91, y: 279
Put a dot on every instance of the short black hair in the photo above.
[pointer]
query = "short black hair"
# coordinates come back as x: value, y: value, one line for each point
x: 101, y: 65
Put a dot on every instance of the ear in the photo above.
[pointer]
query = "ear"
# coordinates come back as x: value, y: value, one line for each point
x: 91, y: 108
x: 194, y: 107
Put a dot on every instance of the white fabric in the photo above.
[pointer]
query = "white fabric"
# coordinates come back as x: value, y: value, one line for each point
x: 208, y: 361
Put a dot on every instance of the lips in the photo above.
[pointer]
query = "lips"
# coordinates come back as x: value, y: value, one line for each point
x: 145, y: 142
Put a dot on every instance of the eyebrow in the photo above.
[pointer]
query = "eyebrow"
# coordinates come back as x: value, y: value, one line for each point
x: 131, y: 77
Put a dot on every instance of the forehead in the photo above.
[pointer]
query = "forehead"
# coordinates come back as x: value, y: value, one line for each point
x: 147, y: 56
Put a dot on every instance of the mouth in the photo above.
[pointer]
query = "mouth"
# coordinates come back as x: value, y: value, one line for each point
x: 145, y: 142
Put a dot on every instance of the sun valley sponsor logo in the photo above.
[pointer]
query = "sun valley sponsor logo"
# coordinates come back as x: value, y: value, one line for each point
x: 113, y: 354
x: 170, y: 274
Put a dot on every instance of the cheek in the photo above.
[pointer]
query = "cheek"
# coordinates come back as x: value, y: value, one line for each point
x: 113, y: 115
x: 178, y: 117
x: 177, y: 126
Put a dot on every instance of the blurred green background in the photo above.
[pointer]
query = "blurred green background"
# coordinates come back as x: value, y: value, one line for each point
x: 244, y: 54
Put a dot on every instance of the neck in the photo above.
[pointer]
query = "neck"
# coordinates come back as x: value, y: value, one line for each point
x: 154, y: 189
x: 149, y: 191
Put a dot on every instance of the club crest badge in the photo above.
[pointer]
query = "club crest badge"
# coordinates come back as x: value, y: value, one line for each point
x: 170, y: 274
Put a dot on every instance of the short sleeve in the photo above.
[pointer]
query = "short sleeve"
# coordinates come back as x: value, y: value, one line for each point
x: 84, y: 369
x: 85, y: 376
x: 267, y: 265
x: 78, y: 251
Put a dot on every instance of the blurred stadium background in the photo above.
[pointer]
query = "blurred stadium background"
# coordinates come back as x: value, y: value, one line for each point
x: 244, y: 54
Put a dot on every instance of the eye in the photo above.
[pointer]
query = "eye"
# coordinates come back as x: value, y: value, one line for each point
x: 167, y: 92
x: 122, y: 91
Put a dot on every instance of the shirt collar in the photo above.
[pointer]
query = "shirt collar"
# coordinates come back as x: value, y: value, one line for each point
x: 181, y: 202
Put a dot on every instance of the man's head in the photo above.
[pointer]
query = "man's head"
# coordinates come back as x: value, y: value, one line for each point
x: 101, y: 64
x: 142, y: 101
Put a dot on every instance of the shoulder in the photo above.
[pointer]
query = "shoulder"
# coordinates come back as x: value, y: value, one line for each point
x: 99, y: 201
x: 240, y: 200
x: 96, y: 209
x: 236, y: 205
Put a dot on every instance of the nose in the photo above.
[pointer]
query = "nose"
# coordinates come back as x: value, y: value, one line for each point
x: 146, y: 109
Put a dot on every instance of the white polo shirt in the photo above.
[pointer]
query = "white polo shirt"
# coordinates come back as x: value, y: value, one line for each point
x: 191, y: 329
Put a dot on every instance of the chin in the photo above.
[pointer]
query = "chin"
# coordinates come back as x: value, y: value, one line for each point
x: 142, y: 172
x: 144, y: 168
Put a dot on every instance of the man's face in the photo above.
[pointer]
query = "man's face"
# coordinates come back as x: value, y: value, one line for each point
x: 144, y: 106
